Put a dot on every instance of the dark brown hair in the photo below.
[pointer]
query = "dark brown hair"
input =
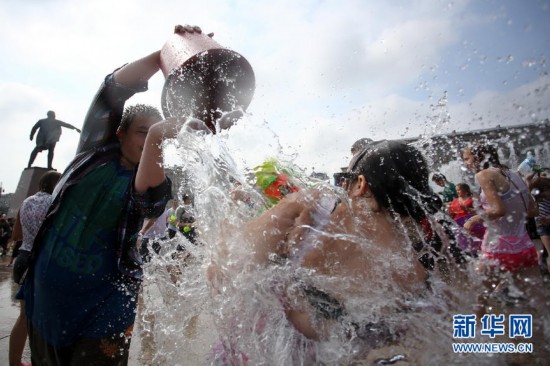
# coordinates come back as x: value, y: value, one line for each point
x: 48, y: 181
x: 398, y: 176
x: 487, y: 156
x: 465, y: 187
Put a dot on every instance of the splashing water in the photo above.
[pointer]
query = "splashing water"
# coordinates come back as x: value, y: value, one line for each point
x: 235, y: 312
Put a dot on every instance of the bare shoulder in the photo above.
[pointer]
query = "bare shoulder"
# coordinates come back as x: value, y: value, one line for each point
x: 494, y: 177
x: 489, y: 174
x: 484, y: 176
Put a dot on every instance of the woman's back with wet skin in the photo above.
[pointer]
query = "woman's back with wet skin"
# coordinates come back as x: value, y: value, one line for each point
x: 357, y: 255
x: 391, y: 191
x: 354, y: 242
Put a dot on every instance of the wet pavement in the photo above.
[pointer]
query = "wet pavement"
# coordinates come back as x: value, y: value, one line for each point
x: 199, y: 336
x: 9, y: 310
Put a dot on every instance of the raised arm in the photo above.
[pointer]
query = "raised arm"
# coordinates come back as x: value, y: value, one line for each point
x: 136, y: 73
x: 150, y: 171
x: 139, y: 71
x: 107, y: 107
x: 151, y: 165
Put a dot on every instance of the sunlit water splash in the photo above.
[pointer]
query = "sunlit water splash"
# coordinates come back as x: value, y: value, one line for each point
x: 437, y: 140
x: 242, y: 320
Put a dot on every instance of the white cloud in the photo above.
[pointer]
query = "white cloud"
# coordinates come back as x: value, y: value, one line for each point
x: 327, y: 72
x: 526, y: 104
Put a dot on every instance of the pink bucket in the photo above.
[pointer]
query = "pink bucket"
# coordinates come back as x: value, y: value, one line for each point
x: 203, y: 79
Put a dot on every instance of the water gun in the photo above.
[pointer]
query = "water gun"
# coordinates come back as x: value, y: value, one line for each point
x: 275, y: 180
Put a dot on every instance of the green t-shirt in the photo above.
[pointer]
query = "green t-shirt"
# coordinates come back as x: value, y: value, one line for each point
x: 449, y: 193
x: 82, y: 294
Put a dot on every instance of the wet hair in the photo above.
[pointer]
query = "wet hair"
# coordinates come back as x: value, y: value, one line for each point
x: 50, y: 114
x: 438, y: 176
x: 465, y: 187
x: 538, y: 185
x: 398, y: 176
x: 48, y: 181
x: 487, y: 156
x: 360, y: 144
x: 131, y: 112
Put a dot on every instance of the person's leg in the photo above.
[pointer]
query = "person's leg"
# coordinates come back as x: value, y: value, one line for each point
x: 51, y: 148
x: 18, y: 337
x: 546, y: 243
x: 15, y: 251
x: 42, y: 353
x: 144, y: 250
x: 190, y: 234
x: 109, y: 351
x: 34, y: 152
x: 156, y: 246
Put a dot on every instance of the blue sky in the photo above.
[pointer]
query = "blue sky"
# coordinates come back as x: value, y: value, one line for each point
x: 327, y: 72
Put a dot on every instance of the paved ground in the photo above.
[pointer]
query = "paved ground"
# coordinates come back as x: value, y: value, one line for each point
x: 9, y: 310
x: 198, y: 336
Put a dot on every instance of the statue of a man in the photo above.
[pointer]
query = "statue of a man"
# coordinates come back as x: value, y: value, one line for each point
x: 49, y: 131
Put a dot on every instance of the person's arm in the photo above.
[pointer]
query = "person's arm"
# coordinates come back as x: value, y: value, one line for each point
x: 544, y: 220
x: 266, y: 235
x: 105, y: 112
x: 488, y: 183
x: 496, y: 208
x: 150, y: 171
x: 139, y: 71
x: 104, y: 115
x: 17, y: 232
x: 147, y: 225
x: 136, y: 73
x: 532, y: 207
x: 34, y: 128
x: 273, y: 231
x: 177, y: 213
x: 68, y: 125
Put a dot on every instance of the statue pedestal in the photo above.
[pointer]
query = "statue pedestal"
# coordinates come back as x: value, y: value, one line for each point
x: 27, y: 186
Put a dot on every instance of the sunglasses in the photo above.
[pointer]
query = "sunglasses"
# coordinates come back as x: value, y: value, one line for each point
x: 343, y: 179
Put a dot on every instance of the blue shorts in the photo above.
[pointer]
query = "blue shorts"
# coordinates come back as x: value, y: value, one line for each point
x: 543, y: 230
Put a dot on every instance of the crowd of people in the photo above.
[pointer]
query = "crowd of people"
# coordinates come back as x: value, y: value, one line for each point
x: 83, y: 244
